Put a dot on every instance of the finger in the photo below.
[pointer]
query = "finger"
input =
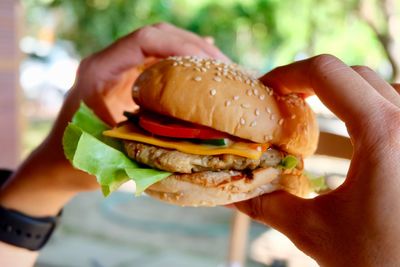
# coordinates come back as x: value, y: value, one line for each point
x: 207, y: 46
x: 384, y: 88
x: 129, y: 52
x: 280, y: 210
x: 396, y: 87
x: 339, y: 87
x: 148, y: 41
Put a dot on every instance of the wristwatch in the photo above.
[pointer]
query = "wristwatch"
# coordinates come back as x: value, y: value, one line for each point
x: 22, y: 230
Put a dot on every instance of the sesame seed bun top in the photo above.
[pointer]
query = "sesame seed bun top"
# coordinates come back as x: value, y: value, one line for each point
x: 221, y: 96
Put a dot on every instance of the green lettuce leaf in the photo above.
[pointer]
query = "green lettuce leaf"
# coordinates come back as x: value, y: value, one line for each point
x: 289, y: 162
x: 318, y: 184
x: 88, y: 150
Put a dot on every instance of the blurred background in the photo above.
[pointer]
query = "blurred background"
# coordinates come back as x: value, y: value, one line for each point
x: 42, y: 42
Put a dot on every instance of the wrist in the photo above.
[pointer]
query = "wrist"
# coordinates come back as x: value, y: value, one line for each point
x: 34, y: 188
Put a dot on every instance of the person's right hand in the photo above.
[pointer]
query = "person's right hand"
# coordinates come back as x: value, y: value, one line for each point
x: 358, y: 223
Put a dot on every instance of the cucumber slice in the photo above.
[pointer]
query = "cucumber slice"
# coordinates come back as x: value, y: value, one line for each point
x: 216, y: 142
x: 212, y: 142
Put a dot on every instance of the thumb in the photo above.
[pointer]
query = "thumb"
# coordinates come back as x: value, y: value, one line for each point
x: 283, y: 211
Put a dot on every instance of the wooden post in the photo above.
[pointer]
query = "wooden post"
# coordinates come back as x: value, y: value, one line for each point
x: 238, y: 240
x: 9, y: 88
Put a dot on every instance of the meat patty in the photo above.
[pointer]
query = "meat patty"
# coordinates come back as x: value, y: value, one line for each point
x: 176, y: 161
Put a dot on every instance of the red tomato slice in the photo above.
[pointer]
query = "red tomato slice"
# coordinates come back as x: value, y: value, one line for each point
x: 169, y: 127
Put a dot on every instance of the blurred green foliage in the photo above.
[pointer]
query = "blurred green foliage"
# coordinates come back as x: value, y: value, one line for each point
x: 260, y: 34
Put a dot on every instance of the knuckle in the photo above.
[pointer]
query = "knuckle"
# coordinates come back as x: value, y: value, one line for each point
x: 392, y: 119
x: 323, y: 60
x: 255, y: 209
x: 382, y: 127
x: 86, y: 64
x: 143, y: 33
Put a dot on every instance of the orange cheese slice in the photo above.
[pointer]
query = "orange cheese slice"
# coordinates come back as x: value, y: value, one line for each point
x: 133, y: 133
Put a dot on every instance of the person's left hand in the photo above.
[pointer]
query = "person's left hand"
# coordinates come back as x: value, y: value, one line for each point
x: 103, y: 82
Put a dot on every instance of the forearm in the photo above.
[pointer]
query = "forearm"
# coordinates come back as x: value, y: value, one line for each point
x: 11, y: 256
x: 38, y: 188
x: 35, y: 188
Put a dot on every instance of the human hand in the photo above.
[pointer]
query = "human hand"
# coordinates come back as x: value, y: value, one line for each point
x: 356, y: 224
x: 46, y: 180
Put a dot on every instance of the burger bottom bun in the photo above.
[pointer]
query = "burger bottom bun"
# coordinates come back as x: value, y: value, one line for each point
x: 225, y: 187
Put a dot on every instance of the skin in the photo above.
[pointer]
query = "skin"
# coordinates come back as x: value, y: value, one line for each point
x: 357, y: 224
x: 46, y: 181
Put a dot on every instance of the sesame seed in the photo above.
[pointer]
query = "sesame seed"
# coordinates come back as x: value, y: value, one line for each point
x: 203, y: 69
x: 135, y: 88
x: 187, y: 65
x: 213, y: 92
x: 280, y: 122
x: 197, y: 68
x: 293, y: 117
x: 197, y: 78
x: 227, y: 103
x: 257, y: 112
x: 266, y: 138
x: 245, y: 105
x: 253, y: 123
x: 261, y: 97
x: 271, y: 92
x: 242, y: 121
x: 268, y: 110
x: 236, y: 97
x: 272, y: 117
x: 255, y: 91
x: 248, y: 92
x: 217, y: 79
x: 175, y: 64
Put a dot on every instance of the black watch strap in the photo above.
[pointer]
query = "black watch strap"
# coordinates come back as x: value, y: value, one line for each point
x: 25, y: 231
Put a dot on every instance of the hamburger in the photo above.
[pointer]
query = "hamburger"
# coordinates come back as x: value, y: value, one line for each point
x: 223, y: 136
